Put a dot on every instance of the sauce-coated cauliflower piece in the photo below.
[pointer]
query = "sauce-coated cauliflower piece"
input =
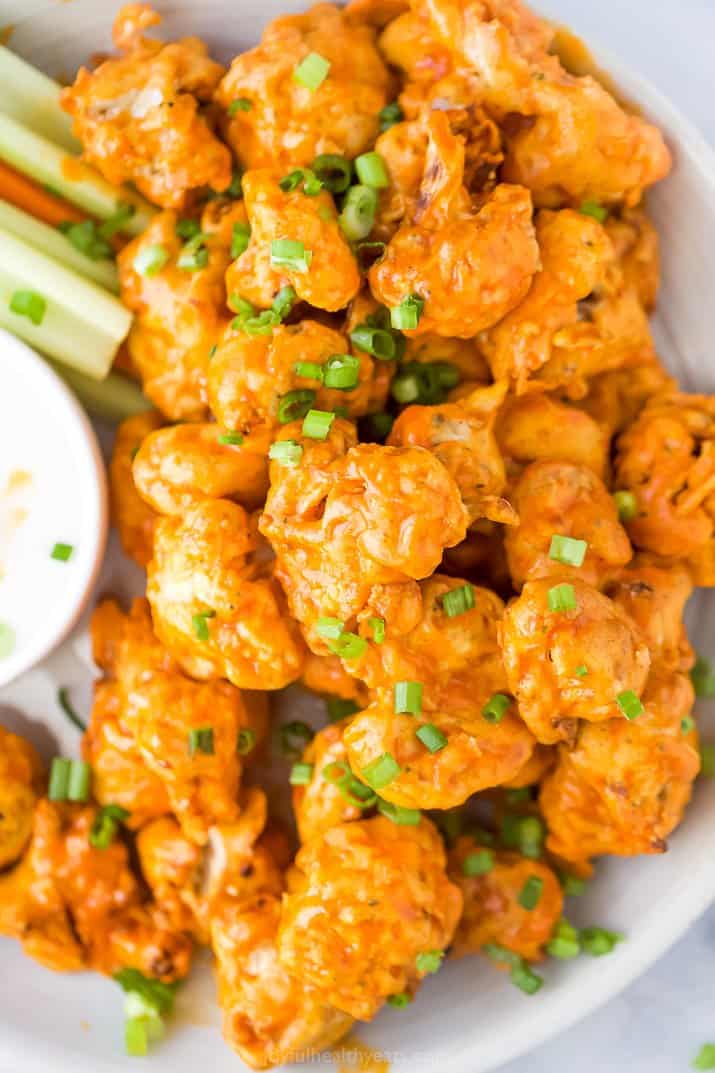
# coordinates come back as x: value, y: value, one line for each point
x: 469, y: 264
x: 557, y: 499
x: 329, y: 797
x: 566, y: 665
x: 216, y: 607
x: 320, y: 265
x: 492, y: 910
x: 364, y: 900
x: 283, y: 123
x: 539, y: 428
x: 131, y: 514
x: 623, y: 786
x: 654, y: 594
x: 142, y: 118
x: 20, y: 784
x: 615, y: 398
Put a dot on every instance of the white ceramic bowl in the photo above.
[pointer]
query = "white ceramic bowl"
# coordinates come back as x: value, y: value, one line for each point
x: 52, y: 492
x: 468, y: 1019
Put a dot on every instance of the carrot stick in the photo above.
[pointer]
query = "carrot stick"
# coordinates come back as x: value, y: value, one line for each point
x: 35, y: 200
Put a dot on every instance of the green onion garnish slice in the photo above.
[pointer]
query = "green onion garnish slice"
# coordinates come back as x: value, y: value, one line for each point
x: 28, y: 304
x: 284, y: 302
x: 201, y: 740
x: 155, y: 994
x: 329, y: 627
x: 526, y: 979
x: 426, y: 383
x: 626, y: 505
x: 408, y: 697
x: 59, y: 778
x: 246, y: 741
x: 565, y: 942
x: 309, y: 370
x: 85, y: 238
x: 705, y: 1058
x: 358, y: 214
x: 400, y: 1000
x: 592, y: 208
x: 150, y: 260
x: 301, y: 774
x: 240, y: 104
x: 240, y: 237
x: 79, y: 780
x: 294, y: 737
x: 457, y: 601
x: 136, y: 1037
x: 294, y: 405
x: 291, y: 181
x: 199, y: 621
x: 187, y: 228
x: 703, y: 678
x: 496, y: 707
x: 341, y: 371
x: 567, y: 550
x: 62, y: 552
x: 525, y: 833
x: 117, y: 221
x: 371, y: 170
x: 431, y: 737
x: 290, y: 253
x: 287, y: 452
x: 530, y: 894
x: 389, y: 115
x: 478, y: 863
x: 316, y: 424
x: 357, y: 793
x: 333, y: 171
x: 599, y: 941
x: 105, y: 825
x: 338, y: 708
x: 403, y: 817
x: 377, y: 627
x: 194, y: 254
x: 312, y: 71
x: 8, y: 640
x: 518, y: 795
x: 64, y: 702
x: 375, y: 341
x: 581, y: 671
x: 382, y: 771
x: 630, y: 704
x: 230, y: 439
x: 429, y: 961
x: 348, y: 646
x: 572, y: 885
x: 406, y: 316
x: 687, y: 724
x: 369, y: 253
x: 562, y: 598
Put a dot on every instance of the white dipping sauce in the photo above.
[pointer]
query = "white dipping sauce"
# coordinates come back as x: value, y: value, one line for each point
x: 52, y: 491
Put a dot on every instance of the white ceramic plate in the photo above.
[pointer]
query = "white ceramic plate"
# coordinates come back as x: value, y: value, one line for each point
x: 468, y: 1019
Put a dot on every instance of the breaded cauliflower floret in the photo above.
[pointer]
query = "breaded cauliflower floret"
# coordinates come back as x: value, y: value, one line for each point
x: 329, y: 798
x: 365, y: 899
x: 539, y: 428
x: 20, y: 785
x: 142, y: 118
x: 131, y: 514
x: 654, y: 594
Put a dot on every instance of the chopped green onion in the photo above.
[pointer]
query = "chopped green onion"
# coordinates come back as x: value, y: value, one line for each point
x: 369, y: 253
x: 377, y: 626
x: 234, y: 188
x: 200, y: 624
x: 241, y: 306
x: 525, y: 833
x: 705, y: 1058
x: 599, y: 941
x: 390, y: 115
x: 333, y: 171
x: 240, y: 237
x: 406, y: 316
x: 626, y: 505
x: 496, y: 707
x: 341, y: 371
x: 310, y: 182
x: 158, y: 995
x: 425, y: 383
x: 28, y: 304
x: 194, y: 254
x: 526, y: 979
x: 371, y: 170
x: 326, y: 626
x: 79, y: 780
x: 431, y: 737
x: 565, y: 942
x: 316, y: 424
x: 562, y: 598
x: 703, y: 678
x: 7, y: 640
x: 573, y: 886
x: 230, y: 439
x: 246, y: 741
x: 62, y: 552
x: 291, y: 181
x: 309, y: 370
x: 581, y: 671
x: 64, y: 702
x: 403, y: 817
x: 429, y: 961
x: 105, y: 825
x: 136, y: 1037
x: 312, y: 71
x: 187, y: 228
x: 382, y: 771
x: 400, y: 1000
x: 201, y: 740
x: 408, y: 697
x: 592, y: 208
x: 567, y: 550
x: 294, y: 405
x: 287, y: 452
x: 240, y: 104
x: 284, y: 302
x: 501, y: 954
x: 59, y: 778
x: 348, y: 646
x: 478, y: 863
x: 457, y: 601
x: 707, y: 760
x: 290, y: 253
x: 375, y: 341
x: 530, y: 894
x: 518, y: 796
x: 294, y: 737
x: 301, y: 774
x: 357, y: 793
x: 630, y: 704
x: 117, y: 221
x: 85, y: 236
x: 358, y: 213
x: 339, y: 708
x: 150, y: 260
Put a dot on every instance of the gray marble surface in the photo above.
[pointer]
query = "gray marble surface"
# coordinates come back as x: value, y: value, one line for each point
x: 658, y: 1024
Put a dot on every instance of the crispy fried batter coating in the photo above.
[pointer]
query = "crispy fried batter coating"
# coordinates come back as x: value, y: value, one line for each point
x: 623, y: 786
x: 180, y: 313
x: 560, y: 499
x: 492, y: 911
x: 326, y: 674
x: 540, y: 428
x: 545, y: 653
x: 331, y: 278
x: 141, y: 117
x: 216, y: 607
x: 469, y: 264
x: 20, y: 785
x: 285, y: 124
x: 615, y: 398
x: 321, y: 803
x: 364, y: 900
x: 131, y: 514
x: 654, y: 594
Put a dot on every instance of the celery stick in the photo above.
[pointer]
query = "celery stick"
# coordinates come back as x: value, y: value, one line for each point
x: 32, y: 99
x: 113, y: 399
x: 46, y: 163
x: 52, y: 242
x: 82, y: 326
